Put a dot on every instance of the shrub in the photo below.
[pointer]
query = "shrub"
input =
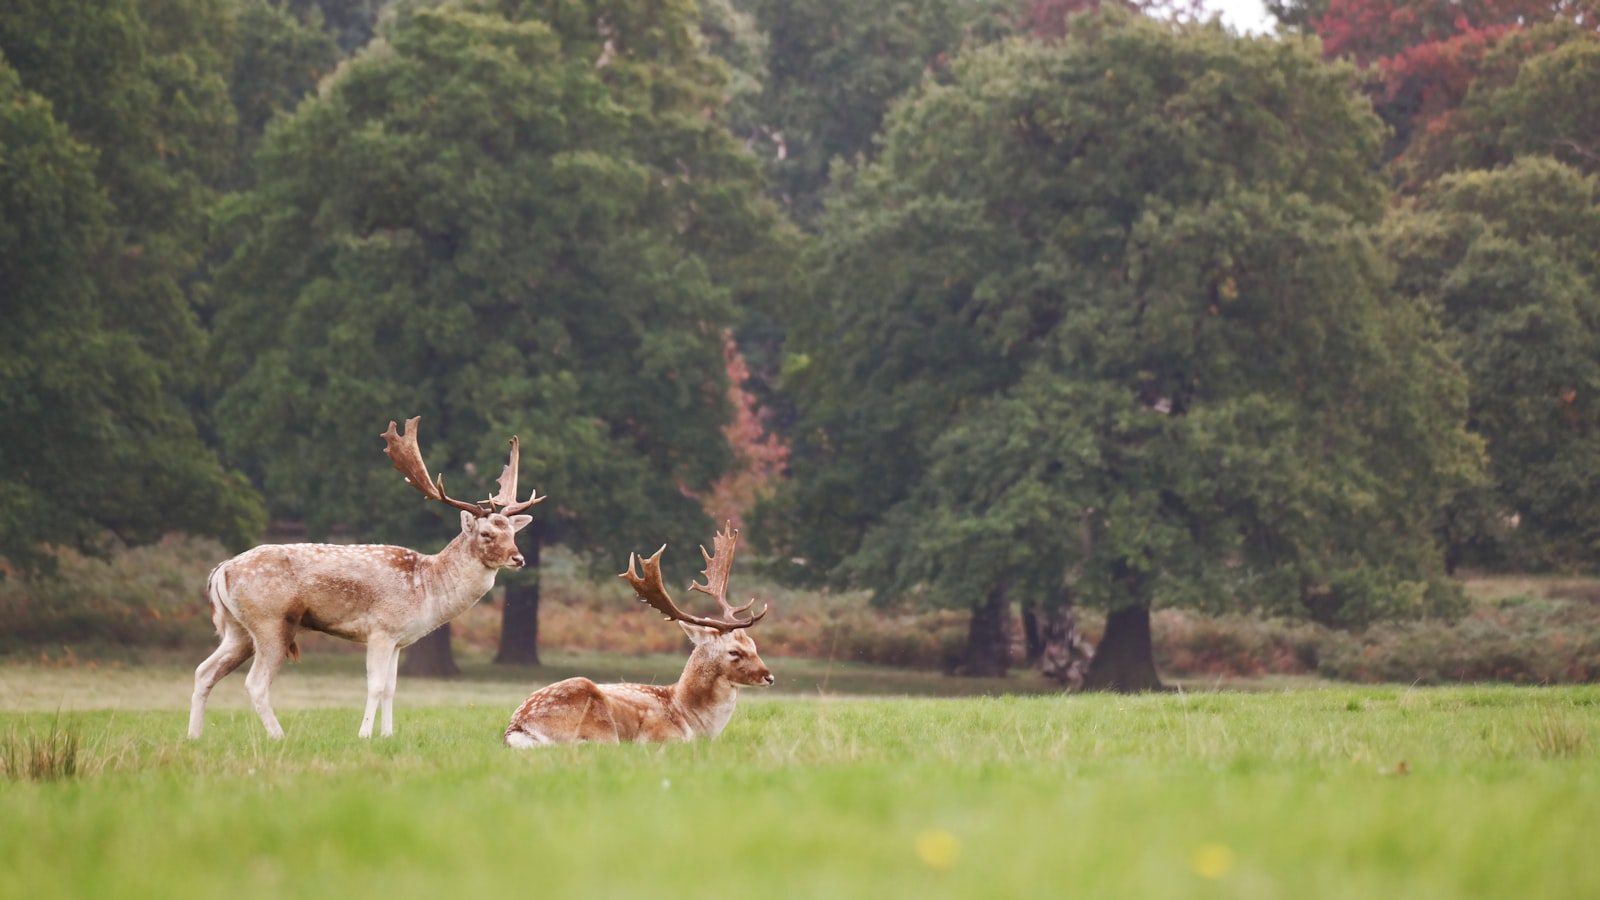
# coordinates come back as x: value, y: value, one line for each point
x: 149, y: 596
x: 1546, y: 640
x: 1188, y: 643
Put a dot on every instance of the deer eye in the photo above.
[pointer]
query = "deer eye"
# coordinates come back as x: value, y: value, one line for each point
x: 736, y: 654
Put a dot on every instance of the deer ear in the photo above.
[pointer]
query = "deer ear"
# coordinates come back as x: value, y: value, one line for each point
x: 698, y: 633
x: 468, y: 521
x: 520, y: 522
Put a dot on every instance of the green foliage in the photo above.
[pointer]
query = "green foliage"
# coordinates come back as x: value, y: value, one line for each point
x: 351, y: 23
x: 148, y: 596
x: 93, y: 437
x: 1523, y: 641
x: 834, y: 67
x: 1537, y: 93
x: 1104, y: 315
x: 1508, y: 258
x: 277, y: 60
x: 477, y: 223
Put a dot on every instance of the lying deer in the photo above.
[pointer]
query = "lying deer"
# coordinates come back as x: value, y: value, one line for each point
x: 385, y: 597
x: 700, y: 704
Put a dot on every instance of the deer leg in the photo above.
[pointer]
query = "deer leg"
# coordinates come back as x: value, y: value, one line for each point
x: 234, y: 650
x: 380, y: 667
x: 388, y: 694
x: 271, y: 646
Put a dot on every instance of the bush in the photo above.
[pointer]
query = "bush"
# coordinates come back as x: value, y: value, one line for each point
x: 152, y: 597
x: 1550, y: 640
x: 1188, y: 643
x: 144, y: 596
x: 576, y: 615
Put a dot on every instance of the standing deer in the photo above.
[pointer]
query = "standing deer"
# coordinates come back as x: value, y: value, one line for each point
x: 385, y: 597
x: 700, y: 704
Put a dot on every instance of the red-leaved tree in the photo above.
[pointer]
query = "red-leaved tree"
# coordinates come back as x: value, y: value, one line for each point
x: 1426, y: 54
x: 760, y: 456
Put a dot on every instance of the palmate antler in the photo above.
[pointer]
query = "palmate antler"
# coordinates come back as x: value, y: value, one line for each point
x: 506, y: 499
x: 653, y: 592
x: 403, y: 451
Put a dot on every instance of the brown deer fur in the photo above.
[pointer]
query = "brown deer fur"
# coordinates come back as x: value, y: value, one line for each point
x: 698, y: 705
x: 385, y: 597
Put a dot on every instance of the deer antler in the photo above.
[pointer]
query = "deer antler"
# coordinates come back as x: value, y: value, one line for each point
x: 718, y: 565
x: 507, y: 497
x: 407, y: 458
x: 651, y: 591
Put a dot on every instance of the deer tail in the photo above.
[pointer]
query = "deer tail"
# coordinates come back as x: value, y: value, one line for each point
x: 216, y: 590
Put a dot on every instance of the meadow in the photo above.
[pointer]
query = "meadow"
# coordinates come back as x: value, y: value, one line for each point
x: 838, y: 786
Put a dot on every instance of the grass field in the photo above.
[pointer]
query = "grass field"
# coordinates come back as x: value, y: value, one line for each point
x: 1306, y: 792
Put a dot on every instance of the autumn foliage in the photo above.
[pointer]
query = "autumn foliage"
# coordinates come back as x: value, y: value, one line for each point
x: 760, y: 456
x: 1425, y: 56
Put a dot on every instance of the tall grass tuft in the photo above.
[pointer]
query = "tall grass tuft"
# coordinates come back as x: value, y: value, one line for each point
x: 53, y: 755
x: 1558, y: 738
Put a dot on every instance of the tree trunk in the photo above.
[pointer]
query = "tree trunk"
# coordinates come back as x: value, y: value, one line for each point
x: 1032, y: 642
x: 1125, y: 660
x: 988, y: 651
x: 519, y: 621
x: 431, y: 656
x: 1064, y: 655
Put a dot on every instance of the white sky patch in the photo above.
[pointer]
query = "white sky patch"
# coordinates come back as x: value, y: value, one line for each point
x: 1248, y: 16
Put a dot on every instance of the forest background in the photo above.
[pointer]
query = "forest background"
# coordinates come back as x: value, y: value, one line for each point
x: 1014, y: 332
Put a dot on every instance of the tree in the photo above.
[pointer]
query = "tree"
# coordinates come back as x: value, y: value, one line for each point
x: 759, y: 455
x: 1102, y: 325
x: 1536, y: 94
x: 277, y: 60
x: 351, y: 23
x: 1426, y: 55
x: 508, y: 218
x: 1508, y: 257
x: 109, y: 139
x: 834, y: 66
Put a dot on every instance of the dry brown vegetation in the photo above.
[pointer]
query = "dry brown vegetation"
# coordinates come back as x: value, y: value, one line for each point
x: 1520, y: 629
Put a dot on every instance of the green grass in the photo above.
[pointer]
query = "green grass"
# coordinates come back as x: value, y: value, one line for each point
x: 1346, y: 792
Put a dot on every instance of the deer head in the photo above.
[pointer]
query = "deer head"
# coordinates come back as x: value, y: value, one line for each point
x: 722, y: 642
x: 490, y: 527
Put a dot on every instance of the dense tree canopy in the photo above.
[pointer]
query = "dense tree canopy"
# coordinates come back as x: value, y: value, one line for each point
x: 112, y: 132
x: 1093, y: 306
x: 1536, y: 93
x: 508, y: 218
x: 1508, y: 256
x: 1104, y: 315
x: 834, y: 66
x: 1426, y: 56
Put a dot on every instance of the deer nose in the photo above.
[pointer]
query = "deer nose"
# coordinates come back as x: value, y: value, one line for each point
x: 517, y: 561
x: 769, y: 680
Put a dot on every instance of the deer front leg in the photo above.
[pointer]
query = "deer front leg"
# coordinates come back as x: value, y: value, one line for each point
x: 380, y: 667
x: 388, y: 694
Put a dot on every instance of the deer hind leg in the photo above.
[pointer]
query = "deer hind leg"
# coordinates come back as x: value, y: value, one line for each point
x: 381, y: 655
x: 230, y: 654
x: 599, y: 728
x: 274, y: 641
x: 595, y: 723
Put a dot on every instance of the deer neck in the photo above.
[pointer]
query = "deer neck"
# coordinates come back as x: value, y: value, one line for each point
x: 705, y: 697
x: 452, y: 580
